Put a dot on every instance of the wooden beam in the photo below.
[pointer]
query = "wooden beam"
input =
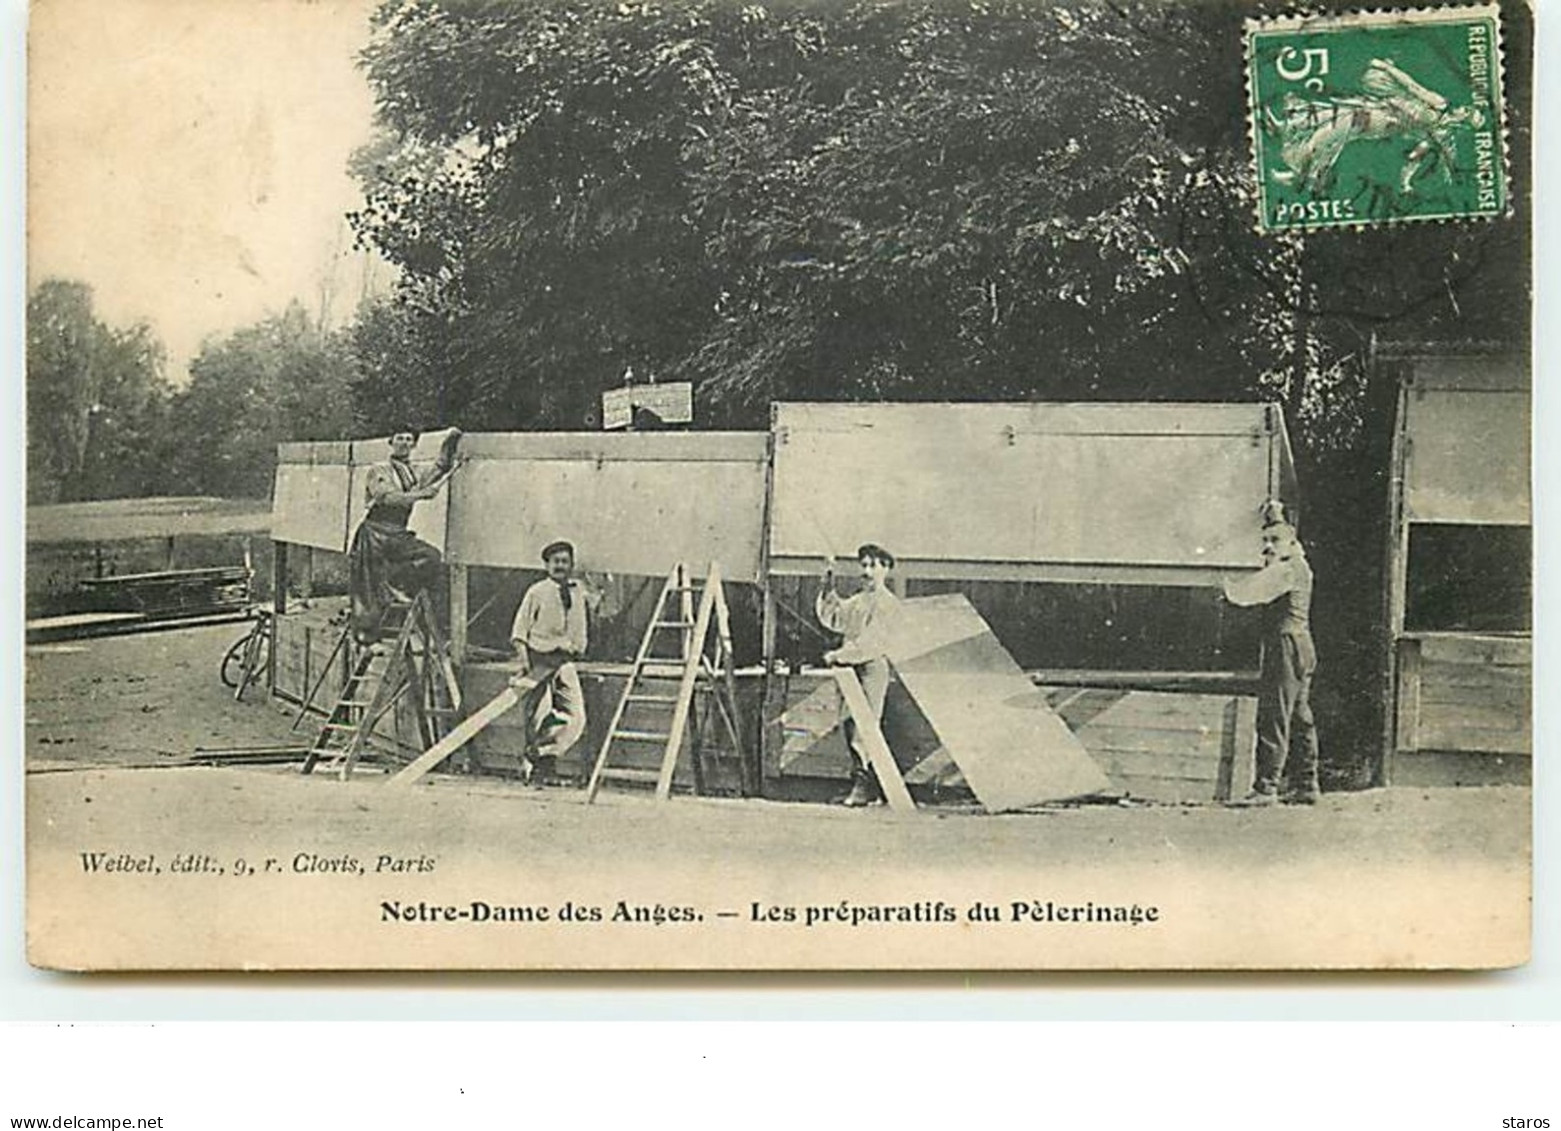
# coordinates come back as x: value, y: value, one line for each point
x: 878, y: 751
x: 306, y: 587
x: 464, y: 733
x: 1397, y: 550
x: 279, y: 577
x: 611, y: 447
x: 1405, y: 706
x: 460, y: 612
x: 768, y: 619
x: 1072, y: 573
x: 1209, y: 682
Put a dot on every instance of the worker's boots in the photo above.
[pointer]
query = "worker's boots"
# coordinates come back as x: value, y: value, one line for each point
x: 864, y: 789
x: 541, y: 769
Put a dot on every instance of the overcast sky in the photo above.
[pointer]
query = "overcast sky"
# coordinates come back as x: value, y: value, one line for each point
x: 187, y: 158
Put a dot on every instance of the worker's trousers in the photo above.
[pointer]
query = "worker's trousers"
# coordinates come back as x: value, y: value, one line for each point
x: 554, y: 710
x: 1286, y: 731
x: 874, y: 676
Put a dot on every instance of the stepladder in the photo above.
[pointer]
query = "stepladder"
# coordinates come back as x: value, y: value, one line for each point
x: 684, y: 664
x: 407, y: 678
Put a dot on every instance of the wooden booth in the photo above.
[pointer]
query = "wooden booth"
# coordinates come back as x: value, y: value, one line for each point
x: 1459, y: 570
x: 1091, y: 538
x: 634, y: 505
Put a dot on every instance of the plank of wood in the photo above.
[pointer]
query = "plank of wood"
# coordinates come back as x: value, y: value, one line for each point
x: 1115, y: 761
x: 1408, y: 706
x: 1150, y: 742
x: 1161, y: 710
x: 1142, y: 680
x: 1011, y: 748
x: 807, y: 722
x: 936, y: 767
x: 462, y: 734
x: 1498, y: 651
x: 1458, y: 729
x: 1513, y: 697
x: 81, y: 620
x: 1479, y: 673
x: 878, y: 752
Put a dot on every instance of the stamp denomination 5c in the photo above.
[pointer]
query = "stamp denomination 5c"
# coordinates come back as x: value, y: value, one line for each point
x: 1377, y: 117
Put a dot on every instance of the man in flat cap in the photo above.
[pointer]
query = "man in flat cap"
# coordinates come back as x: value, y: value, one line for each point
x: 387, y: 562
x: 862, y: 620
x: 1286, y: 762
x: 550, y: 634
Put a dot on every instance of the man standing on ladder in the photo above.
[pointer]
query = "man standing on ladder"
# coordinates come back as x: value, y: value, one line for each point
x: 1284, y: 707
x: 862, y: 619
x: 388, y: 563
x: 550, y: 634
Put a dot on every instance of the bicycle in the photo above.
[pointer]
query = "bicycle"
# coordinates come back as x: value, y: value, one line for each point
x: 248, y: 659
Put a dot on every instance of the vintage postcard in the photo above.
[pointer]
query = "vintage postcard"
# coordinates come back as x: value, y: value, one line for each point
x: 703, y: 485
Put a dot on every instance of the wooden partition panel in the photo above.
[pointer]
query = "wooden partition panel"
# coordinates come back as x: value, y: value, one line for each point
x: 309, y: 499
x: 634, y: 503
x: 1468, y: 456
x: 1079, y: 491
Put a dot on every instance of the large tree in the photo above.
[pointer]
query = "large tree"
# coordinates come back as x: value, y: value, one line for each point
x: 96, y: 397
x: 282, y: 379
x: 917, y: 199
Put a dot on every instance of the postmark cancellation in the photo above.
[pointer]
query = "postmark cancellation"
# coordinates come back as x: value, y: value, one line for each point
x: 1377, y: 118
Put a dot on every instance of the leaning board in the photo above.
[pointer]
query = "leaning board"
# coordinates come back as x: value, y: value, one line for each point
x: 1011, y: 748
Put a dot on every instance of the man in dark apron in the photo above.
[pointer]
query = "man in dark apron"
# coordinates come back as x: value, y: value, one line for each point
x: 389, y: 564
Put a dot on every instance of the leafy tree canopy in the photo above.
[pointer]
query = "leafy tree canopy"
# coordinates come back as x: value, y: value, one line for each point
x: 927, y: 199
x: 95, y: 397
x: 281, y: 379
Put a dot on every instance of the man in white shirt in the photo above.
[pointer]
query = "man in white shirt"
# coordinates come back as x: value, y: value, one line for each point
x: 1283, y: 587
x: 863, y: 620
x: 549, y: 635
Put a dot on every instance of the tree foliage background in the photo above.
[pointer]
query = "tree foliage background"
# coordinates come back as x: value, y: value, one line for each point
x: 96, y: 400
x: 284, y: 378
x: 104, y: 422
x: 916, y: 200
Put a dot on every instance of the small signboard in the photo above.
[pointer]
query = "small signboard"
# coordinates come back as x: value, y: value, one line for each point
x: 672, y: 403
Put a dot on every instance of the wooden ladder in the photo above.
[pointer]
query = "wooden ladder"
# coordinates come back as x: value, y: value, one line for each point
x: 416, y: 667
x: 649, y: 690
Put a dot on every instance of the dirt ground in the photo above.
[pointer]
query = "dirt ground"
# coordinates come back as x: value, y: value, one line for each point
x: 1387, y: 877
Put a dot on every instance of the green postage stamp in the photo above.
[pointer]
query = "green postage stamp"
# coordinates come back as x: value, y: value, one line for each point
x: 1377, y: 117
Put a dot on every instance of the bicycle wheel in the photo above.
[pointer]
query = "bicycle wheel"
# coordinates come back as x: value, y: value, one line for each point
x: 262, y: 668
x: 232, y: 668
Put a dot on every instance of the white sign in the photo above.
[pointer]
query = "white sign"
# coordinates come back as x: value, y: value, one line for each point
x: 673, y: 403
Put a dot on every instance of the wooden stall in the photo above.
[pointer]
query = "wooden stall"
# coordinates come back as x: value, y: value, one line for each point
x: 1092, y: 538
x: 1459, y: 570
x: 633, y: 504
